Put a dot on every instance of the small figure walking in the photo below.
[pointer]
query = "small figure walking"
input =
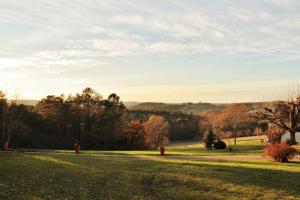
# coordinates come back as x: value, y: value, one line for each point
x: 77, y: 148
x: 162, y: 150
x: 5, y: 146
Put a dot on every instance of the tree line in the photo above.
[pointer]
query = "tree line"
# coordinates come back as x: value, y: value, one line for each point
x: 236, y: 120
x: 182, y: 126
x: 105, y: 123
x: 86, y: 118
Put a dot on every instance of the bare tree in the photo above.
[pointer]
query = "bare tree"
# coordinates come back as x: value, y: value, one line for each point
x: 283, y: 114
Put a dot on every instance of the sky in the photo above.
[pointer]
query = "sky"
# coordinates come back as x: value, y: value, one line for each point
x: 159, y: 50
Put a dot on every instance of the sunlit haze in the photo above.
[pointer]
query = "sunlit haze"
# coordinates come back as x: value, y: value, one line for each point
x: 162, y: 51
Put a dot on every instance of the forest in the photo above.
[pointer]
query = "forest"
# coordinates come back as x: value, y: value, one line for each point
x: 58, y: 122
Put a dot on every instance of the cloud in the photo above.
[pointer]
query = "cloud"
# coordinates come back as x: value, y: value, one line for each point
x: 140, y: 27
x: 52, y: 62
x: 41, y: 40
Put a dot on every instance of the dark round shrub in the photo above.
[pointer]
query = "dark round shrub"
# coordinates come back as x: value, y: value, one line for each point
x: 220, y: 145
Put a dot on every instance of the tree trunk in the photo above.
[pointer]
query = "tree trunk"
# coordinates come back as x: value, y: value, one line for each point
x: 292, y: 138
x: 3, y: 131
x: 79, y: 133
x: 293, y: 124
x: 234, y: 138
x: 234, y: 135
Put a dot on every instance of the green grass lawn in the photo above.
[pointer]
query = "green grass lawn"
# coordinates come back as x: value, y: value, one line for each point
x: 187, y: 172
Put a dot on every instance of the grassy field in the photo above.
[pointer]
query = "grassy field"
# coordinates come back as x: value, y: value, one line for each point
x: 187, y: 172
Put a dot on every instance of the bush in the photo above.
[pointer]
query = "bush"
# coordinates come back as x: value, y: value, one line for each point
x: 280, y: 152
x: 220, y: 145
x: 209, y: 139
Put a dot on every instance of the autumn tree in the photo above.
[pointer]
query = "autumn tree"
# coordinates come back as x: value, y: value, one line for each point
x: 209, y: 120
x: 233, y: 118
x: 284, y: 115
x: 134, y: 133
x: 54, y: 110
x: 157, y: 129
x: 181, y: 126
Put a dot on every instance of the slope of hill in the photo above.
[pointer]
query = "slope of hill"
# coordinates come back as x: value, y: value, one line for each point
x: 173, y: 107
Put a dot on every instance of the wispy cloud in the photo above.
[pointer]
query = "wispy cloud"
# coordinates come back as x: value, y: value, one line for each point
x: 64, y: 38
x: 130, y: 27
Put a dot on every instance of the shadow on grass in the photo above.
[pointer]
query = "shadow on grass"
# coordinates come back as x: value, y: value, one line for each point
x: 266, y: 179
x: 125, y: 177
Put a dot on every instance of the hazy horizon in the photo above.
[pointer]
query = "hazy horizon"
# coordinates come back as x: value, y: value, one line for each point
x: 140, y: 102
x: 151, y: 51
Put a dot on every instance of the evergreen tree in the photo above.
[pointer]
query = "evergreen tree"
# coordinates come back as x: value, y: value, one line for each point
x: 209, y: 139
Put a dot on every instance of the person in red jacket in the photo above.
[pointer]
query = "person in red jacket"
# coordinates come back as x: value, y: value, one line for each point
x: 77, y: 148
x: 4, y: 146
x: 162, y: 150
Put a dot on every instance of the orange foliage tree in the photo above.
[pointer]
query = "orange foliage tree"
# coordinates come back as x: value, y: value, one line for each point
x: 157, y: 129
x: 208, y: 121
x: 135, y: 134
x: 233, y: 118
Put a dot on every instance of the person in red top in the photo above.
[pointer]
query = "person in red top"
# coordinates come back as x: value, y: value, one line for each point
x: 4, y: 146
x: 77, y: 148
x: 162, y: 150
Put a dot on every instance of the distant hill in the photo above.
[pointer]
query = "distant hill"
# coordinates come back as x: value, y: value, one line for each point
x: 131, y: 103
x: 175, y: 107
x: 169, y: 107
x: 26, y: 102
